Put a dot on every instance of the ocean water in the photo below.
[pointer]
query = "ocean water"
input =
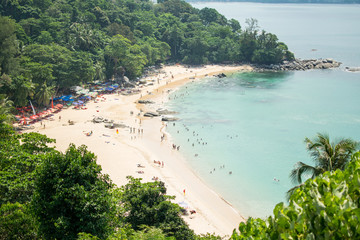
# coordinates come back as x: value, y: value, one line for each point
x: 254, y: 124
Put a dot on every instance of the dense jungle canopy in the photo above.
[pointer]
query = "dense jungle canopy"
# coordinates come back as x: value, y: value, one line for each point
x: 48, y: 46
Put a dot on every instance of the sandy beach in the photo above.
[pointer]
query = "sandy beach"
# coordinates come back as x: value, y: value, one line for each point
x: 119, y: 151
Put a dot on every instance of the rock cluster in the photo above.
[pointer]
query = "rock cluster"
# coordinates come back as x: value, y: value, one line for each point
x: 145, y: 102
x: 353, y: 69
x: 299, y: 64
x: 162, y: 112
x: 220, y: 75
x: 151, y: 114
x: 165, y: 112
x: 169, y: 119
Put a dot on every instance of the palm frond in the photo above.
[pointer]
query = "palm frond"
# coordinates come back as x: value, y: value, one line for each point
x: 292, y: 190
x: 300, y: 169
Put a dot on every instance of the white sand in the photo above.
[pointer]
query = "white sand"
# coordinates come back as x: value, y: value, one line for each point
x: 119, y: 154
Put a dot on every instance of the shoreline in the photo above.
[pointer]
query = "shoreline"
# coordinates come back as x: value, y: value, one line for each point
x: 119, y: 152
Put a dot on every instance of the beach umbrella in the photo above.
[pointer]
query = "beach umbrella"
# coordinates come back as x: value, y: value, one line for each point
x: 24, y: 120
x: 17, y: 117
x: 33, y: 117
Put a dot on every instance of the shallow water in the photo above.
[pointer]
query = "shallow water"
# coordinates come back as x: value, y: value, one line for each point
x: 255, y: 123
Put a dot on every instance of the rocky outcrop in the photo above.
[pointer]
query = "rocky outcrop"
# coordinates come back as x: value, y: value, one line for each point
x: 169, y: 119
x: 145, y: 102
x: 151, y: 114
x: 115, y: 125
x: 220, y: 75
x: 98, y: 119
x: 165, y: 112
x: 353, y: 69
x: 300, y: 65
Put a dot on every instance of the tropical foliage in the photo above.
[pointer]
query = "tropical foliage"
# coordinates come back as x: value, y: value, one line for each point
x: 147, y: 204
x: 49, y: 46
x: 46, y: 194
x: 327, y: 156
x: 326, y: 207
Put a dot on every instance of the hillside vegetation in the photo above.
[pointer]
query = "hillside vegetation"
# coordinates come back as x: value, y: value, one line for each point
x: 49, y: 46
x: 46, y: 194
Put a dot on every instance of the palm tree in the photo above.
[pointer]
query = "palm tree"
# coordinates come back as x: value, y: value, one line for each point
x: 328, y: 156
x: 6, y: 106
x: 44, y: 94
x: 24, y: 88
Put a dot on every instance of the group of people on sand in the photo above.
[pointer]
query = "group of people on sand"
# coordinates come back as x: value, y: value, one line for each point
x: 175, y: 147
x: 133, y: 130
x: 161, y: 164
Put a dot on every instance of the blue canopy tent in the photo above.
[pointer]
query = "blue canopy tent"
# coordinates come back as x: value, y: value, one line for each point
x: 109, y: 89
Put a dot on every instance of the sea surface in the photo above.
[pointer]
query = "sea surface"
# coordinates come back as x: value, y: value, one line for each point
x: 254, y: 124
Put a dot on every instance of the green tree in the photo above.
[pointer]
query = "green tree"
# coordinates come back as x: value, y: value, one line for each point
x: 72, y: 195
x: 196, y: 49
x: 45, y: 38
x: 174, y: 36
x: 328, y: 156
x: 44, y: 93
x: 124, y: 58
x: 6, y: 107
x: 20, y: 155
x: 16, y: 222
x: 155, y: 51
x: 210, y: 15
x: 248, y: 41
x: 56, y: 61
x: 148, y: 204
x: 24, y: 89
x: 151, y: 233
x: 39, y: 72
x: 8, y: 45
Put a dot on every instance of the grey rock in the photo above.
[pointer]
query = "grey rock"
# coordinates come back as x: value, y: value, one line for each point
x: 299, y: 64
x: 165, y: 112
x: 353, y: 69
x: 98, y: 119
x: 169, y: 119
x: 151, y: 114
x: 220, y: 75
x: 145, y: 102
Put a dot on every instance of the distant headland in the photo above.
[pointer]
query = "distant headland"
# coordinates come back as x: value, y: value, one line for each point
x: 286, y: 1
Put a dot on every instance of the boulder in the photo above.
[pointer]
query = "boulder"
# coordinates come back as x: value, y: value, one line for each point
x: 165, y: 112
x: 151, y: 114
x: 353, y: 69
x: 220, y: 75
x: 98, y: 119
x: 145, y: 102
x: 169, y: 119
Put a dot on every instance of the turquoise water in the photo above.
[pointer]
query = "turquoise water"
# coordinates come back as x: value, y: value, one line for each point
x: 255, y: 123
